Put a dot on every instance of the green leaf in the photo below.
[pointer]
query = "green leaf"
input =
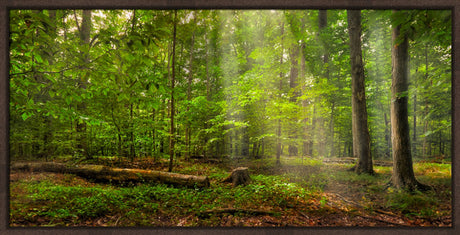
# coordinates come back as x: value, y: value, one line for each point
x: 38, y: 58
x: 428, y: 133
x: 68, y: 100
x: 25, y: 116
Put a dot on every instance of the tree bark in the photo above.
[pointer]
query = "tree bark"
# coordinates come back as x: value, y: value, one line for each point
x: 85, y: 32
x: 403, y: 173
x: 120, y: 175
x: 360, y: 131
x: 322, y: 24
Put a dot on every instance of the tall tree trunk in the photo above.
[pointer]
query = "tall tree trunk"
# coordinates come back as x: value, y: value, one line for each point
x: 278, y: 132
x: 189, y: 94
x: 245, y: 141
x: 304, y: 91
x: 217, y: 146
x: 331, y: 131
x: 317, y: 121
x: 329, y: 140
x: 312, y: 132
x: 162, y: 118
x: 425, y: 127
x: 360, y: 131
x: 132, y: 152
x: 48, y: 53
x: 414, y: 136
x: 292, y: 148
x: 321, y: 138
x: 322, y: 24
x: 173, y: 81
x: 153, y: 151
x: 387, y: 135
x: 85, y: 31
x: 403, y: 173
x: 119, y: 145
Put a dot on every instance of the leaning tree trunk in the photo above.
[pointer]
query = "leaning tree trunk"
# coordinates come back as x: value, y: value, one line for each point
x: 119, y: 175
x: 403, y: 173
x: 360, y: 131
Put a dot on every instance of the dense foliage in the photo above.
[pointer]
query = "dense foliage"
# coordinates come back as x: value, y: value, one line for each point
x: 245, y: 82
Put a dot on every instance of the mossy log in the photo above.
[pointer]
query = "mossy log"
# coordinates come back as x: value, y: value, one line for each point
x: 104, y: 173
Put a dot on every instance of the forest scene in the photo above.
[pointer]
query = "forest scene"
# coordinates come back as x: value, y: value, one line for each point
x: 230, y: 118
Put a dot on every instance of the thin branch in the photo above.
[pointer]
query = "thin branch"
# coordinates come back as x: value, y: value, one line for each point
x: 380, y: 220
x: 362, y: 207
x: 133, y: 20
x: 43, y: 72
x: 60, y: 71
x: 76, y: 20
x: 116, y: 222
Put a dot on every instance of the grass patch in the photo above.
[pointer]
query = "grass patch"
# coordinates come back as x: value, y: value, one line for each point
x: 426, y: 204
x: 46, y: 204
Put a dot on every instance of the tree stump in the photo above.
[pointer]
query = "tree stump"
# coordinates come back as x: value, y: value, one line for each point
x: 239, y: 176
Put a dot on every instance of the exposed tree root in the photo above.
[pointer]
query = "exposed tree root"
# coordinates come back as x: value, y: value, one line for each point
x: 410, y: 188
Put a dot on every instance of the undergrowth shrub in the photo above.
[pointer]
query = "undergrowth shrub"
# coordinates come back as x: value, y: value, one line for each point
x: 413, y: 203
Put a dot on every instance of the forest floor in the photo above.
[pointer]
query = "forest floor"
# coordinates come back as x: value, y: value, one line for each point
x: 301, y: 192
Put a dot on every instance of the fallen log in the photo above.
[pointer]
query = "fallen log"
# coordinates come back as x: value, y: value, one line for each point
x: 104, y: 173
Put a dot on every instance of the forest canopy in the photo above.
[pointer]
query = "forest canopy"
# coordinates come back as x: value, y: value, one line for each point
x: 243, y: 83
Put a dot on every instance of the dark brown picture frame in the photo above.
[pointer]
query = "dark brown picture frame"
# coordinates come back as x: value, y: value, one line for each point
x: 5, y: 5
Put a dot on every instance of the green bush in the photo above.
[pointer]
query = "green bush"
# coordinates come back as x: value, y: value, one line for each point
x: 413, y: 203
